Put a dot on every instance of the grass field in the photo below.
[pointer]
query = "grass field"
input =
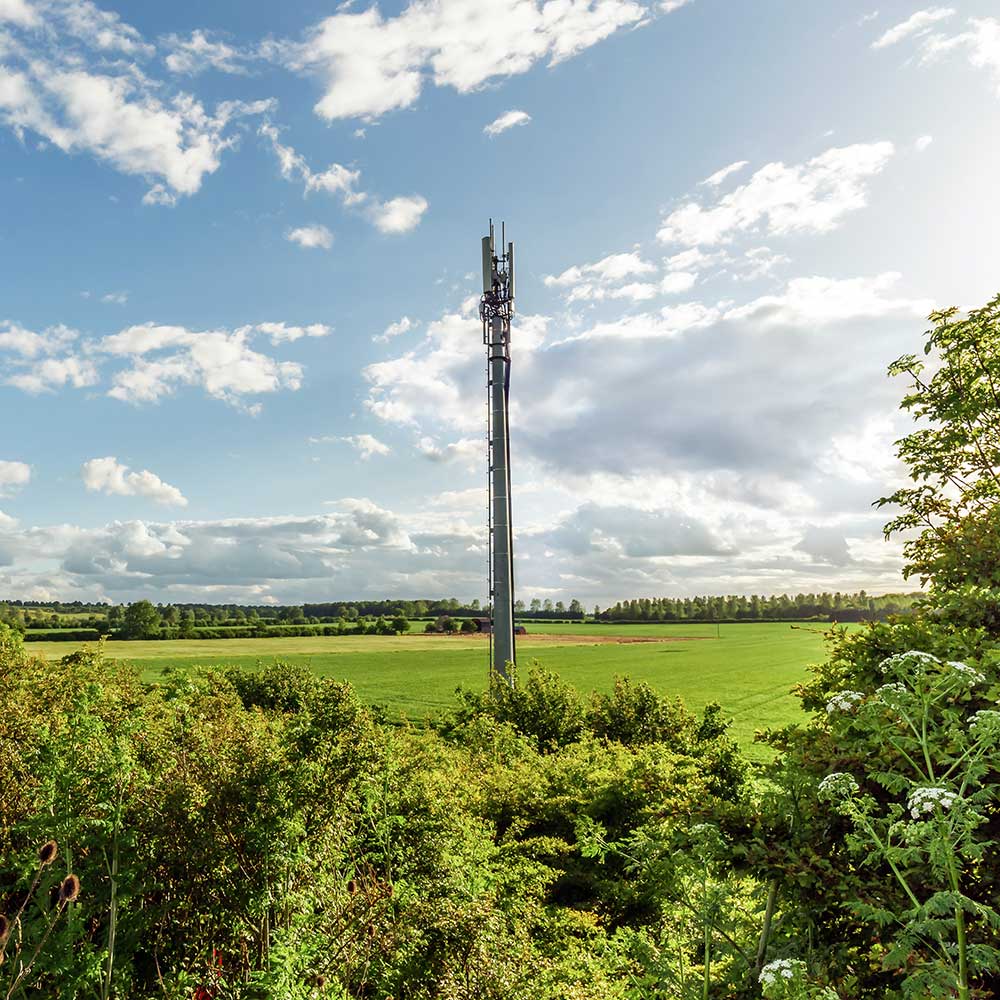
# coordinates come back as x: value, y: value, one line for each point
x: 748, y: 668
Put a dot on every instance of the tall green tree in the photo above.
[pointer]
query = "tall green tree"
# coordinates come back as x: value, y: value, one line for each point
x: 140, y: 621
x: 953, y: 504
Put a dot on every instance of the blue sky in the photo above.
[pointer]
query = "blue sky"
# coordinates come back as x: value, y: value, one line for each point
x: 239, y: 358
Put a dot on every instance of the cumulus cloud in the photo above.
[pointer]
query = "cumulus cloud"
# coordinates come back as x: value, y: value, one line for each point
x: 108, y: 475
x: 221, y: 362
x: 372, y: 64
x: 17, y: 12
x: 174, y: 143
x: 923, y: 143
x: 365, y: 445
x: 199, y: 53
x: 397, y: 215
x: 720, y: 175
x: 396, y: 329
x: 13, y: 475
x: 916, y: 25
x: 603, y: 279
x: 980, y: 43
x: 825, y: 545
x: 509, y: 119
x: 283, y: 332
x: 779, y: 199
x: 314, y: 237
x: 115, y: 298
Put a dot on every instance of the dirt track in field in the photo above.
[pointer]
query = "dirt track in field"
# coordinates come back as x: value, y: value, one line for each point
x: 575, y: 639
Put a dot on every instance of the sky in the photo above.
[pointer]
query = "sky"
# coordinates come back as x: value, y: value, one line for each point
x: 240, y: 358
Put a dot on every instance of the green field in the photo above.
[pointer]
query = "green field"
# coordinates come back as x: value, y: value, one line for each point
x: 748, y: 668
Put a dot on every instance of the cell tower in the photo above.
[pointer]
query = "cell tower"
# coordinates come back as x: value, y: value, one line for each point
x: 496, y: 309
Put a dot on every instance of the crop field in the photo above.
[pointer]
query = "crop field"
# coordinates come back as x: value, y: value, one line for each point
x: 748, y: 668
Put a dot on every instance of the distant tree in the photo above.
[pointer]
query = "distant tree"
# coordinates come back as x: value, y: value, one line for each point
x: 140, y: 621
x: 536, y: 605
x: 469, y: 625
x: 547, y: 605
x: 519, y: 606
x: 400, y: 624
x: 187, y: 623
x: 169, y: 615
x: 474, y: 606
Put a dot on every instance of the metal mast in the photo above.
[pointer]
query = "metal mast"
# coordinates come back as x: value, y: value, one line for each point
x: 496, y: 309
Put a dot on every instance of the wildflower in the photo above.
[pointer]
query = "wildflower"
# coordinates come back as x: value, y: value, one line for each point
x: 925, y: 800
x: 888, y: 692
x: 781, y: 968
x: 985, y: 722
x: 843, y: 701
x: 69, y: 889
x: 838, y: 785
x: 969, y: 674
x: 912, y: 661
x: 47, y: 853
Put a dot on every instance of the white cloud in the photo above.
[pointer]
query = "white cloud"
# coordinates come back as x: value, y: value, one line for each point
x: 101, y: 29
x: 399, y: 215
x: 509, y: 119
x: 470, y: 451
x: 695, y: 260
x: 54, y: 373
x: 17, y: 12
x: 13, y: 475
x: 816, y: 300
x: 115, y: 298
x: 108, y: 475
x: 981, y: 44
x: 396, y: 329
x: 282, y: 332
x: 29, y: 344
x: 312, y: 237
x: 917, y: 24
x: 374, y: 64
x: 677, y: 282
x: 365, y: 445
x: 199, y: 53
x: 596, y: 281
x: 122, y: 119
x: 760, y: 262
x: 720, y: 175
x: 778, y: 199
x: 220, y: 362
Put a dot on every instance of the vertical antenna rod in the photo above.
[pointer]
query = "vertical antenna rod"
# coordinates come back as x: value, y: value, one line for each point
x: 496, y: 309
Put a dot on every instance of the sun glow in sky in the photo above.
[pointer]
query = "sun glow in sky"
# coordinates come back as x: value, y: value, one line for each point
x: 239, y: 352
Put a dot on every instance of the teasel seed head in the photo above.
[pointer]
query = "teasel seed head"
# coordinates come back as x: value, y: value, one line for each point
x: 47, y: 853
x: 69, y: 889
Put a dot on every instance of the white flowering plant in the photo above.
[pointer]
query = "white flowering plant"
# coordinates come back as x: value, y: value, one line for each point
x: 919, y: 806
x: 788, y: 979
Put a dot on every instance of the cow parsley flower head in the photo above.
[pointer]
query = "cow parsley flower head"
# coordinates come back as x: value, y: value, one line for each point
x: 844, y: 701
x: 926, y: 800
x: 781, y: 968
x: 985, y: 722
x: 837, y: 786
x: 912, y: 662
x: 891, y: 692
x: 970, y: 675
